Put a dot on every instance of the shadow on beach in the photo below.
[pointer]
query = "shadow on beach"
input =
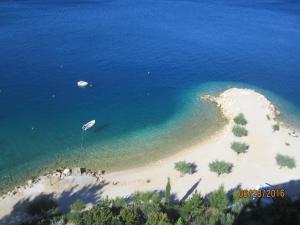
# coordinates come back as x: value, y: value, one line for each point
x: 89, y: 195
x: 253, y: 212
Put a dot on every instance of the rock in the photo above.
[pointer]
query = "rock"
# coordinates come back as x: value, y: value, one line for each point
x: 67, y: 172
x: 77, y: 171
x: 29, y: 182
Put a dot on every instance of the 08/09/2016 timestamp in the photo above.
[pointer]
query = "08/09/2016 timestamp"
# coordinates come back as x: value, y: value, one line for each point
x: 269, y: 193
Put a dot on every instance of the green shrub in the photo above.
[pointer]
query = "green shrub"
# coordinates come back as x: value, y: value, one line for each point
x: 77, y: 206
x: 101, y: 214
x: 285, y: 161
x: 148, y: 202
x: 132, y: 216
x: 185, y: 168
x: 42, y: 205
x: 220, y: 167
x: 218, y: 199
x: 179, y: 222
x: 240, y: 119
x: 158, y: 218
x: 239, y: 147
x: 239, y: 131
x: 75, y: 218
x: 276, y: 127
x: 192, y: 207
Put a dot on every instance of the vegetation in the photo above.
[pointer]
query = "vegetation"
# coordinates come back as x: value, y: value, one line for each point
x: 185, y: 168
x: 239, y: 131
x: 240, y: 119
x: 168, y: 193
x: 239, y: 147
x: 218, y: 208
x: 285, y: 161
x: 220, y: 167
x: 77, y: 206
x: 219, y: 199
x: 276, y: 127
x: 42, y: 206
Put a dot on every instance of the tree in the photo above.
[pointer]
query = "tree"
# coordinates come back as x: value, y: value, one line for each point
x: 192, y: 207
x: 239, y: 131
x: 220, y: 167
x: 77, y: 206
x: 240, y: 119
x: 132, y: 215
x: 148, y: 202
x: 218, y: 199
x: 41, y: 206
x: 285, y: 161
x: 239, y: 147
x: 168, y: 193
x: 158, y: 218
x: 102, y: 214
x: 185, y: 168
x: 238, y: 202
x: 276, y: 127
x: 179, y: 221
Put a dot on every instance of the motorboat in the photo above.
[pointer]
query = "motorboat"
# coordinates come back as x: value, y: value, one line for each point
x: 88, y: 125
x: 82, y: 84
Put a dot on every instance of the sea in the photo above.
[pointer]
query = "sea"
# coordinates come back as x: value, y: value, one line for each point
x: 147, y: 63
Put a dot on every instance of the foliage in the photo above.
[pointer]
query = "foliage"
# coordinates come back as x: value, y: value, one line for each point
x: 132, y: 215
x: 220, y: 167
x: 57, y: 221
x: 239, y: 131
x: 179, y: 222
x: 239, y: 147
x: 216, y: 209
x: 158, y: 218
x: 41, y: 206
x: 148, y: 202
x: 102, y: 213
x: 218, y: 199
x: 185, y: 168
x: 276, y: 127
x: 192, y: 207
x: 75, y: 218
x: 240, y: 119
x: 238, y: 202
x: 168, y: 193
x: 285, y: 161
x: 77, y: 206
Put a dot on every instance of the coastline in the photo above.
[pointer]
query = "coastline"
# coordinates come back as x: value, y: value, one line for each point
x: 247, y: 171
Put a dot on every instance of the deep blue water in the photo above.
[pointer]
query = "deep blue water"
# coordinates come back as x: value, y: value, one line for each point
x: 188, y: 47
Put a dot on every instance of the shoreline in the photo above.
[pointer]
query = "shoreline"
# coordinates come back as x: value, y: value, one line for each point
x: 264, y: 145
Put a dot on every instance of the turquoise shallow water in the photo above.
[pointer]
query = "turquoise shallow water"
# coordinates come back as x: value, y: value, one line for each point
x: 189, y: 48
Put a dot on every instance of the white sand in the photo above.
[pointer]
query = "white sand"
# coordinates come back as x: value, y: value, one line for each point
x: 258, y: 166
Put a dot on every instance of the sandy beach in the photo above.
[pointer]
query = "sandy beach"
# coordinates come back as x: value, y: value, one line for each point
x: 257, y: 166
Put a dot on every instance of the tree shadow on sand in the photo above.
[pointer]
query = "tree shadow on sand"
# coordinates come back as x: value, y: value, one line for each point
x: 90, y: 194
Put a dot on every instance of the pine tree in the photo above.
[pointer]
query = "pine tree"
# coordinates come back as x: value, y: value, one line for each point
x: 168, y: 193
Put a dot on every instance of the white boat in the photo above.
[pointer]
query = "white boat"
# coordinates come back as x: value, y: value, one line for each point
x: 88, y: 125
x: 82, y: 83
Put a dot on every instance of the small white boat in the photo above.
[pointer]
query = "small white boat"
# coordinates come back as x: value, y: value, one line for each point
x: 82, y: 83
x: 88, y: 125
